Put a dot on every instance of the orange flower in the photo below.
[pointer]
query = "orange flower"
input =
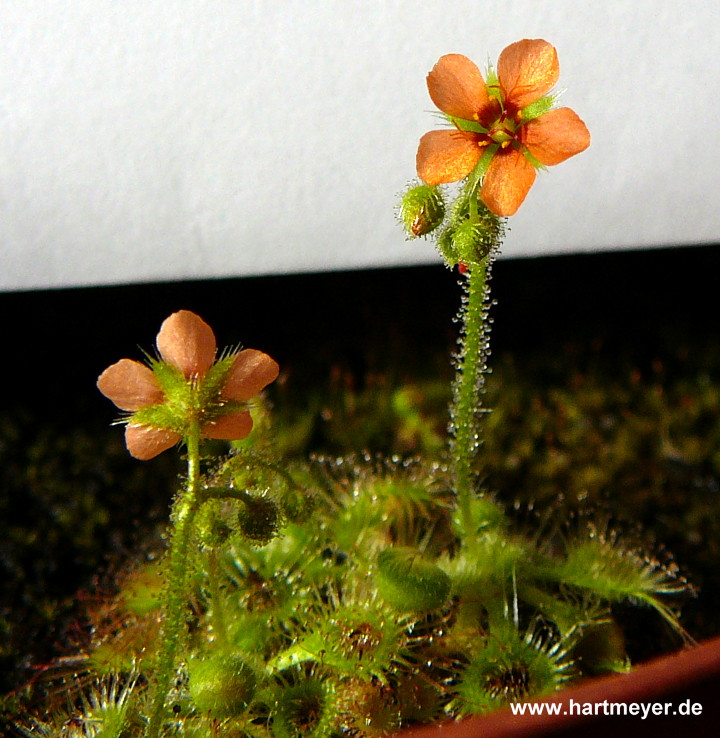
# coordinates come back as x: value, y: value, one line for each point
x: 500, y: 122
x: 186, y: 386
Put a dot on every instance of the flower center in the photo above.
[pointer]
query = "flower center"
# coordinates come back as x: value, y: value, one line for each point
x: 503, y: 132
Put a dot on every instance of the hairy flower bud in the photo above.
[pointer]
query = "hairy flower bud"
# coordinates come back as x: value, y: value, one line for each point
x: 259, y: 519
x: 409, y: 582
x: 212, y: 530
x: 221, y: 685
x: 471, y: 235
x: 470, y: 242
x: 422, y: 210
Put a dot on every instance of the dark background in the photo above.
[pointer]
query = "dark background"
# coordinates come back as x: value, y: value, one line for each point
x: 57, y: 342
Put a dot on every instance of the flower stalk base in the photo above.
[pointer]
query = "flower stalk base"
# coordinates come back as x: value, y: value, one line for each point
x: 173, y: 631
x: 467, y: 391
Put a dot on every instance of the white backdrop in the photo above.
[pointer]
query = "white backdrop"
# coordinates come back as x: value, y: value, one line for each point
x: 169, y: 139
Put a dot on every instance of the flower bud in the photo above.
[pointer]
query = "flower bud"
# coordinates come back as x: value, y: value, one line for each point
x: 446, y: 247
x: 409, y: 582
x: 259, y: 519
x: 472, y: 233
x: 212, y: 530
x: 221, y: 685
x: 422, y: 210
x: 471, y: 242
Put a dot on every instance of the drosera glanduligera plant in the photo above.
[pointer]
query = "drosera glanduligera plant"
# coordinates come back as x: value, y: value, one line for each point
x: 358, y: 595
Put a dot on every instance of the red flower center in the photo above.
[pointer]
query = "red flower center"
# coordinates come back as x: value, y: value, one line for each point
x: 503, y: 131
x: 503, y: 127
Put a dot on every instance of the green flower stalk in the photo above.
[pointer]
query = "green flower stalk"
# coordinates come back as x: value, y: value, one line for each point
x: 502, y: 130
x: 467, y: 391
x: 176, y: 594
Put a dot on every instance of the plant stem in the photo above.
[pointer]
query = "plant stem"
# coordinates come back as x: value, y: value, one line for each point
x: 173, y: 630
x: 468, y: 386
x: 218, y: 609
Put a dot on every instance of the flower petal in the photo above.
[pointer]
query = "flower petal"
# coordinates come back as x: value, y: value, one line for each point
x: 144, y: 442
x: 556, y: 136
x: 251, y: 371
x: 457, y: 87
x: 130, y: 385
x: 231, y: 427
x: 507, y: 181
x: 446, y: 156
x: 187, y: 342
x: 527, y: 70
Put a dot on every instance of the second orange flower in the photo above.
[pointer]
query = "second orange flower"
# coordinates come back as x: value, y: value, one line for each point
x: 185, y: 388
x: 503, y: 129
